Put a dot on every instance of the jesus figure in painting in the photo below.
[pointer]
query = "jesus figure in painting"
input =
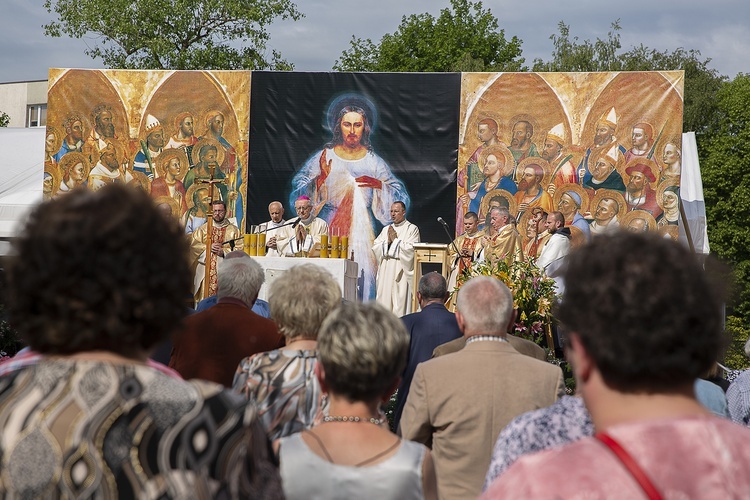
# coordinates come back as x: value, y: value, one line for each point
x: 351, y: 187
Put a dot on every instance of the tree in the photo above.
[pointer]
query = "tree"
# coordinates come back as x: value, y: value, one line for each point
x: 464, y: 37
x: 701, y: 82
x: 4, y: 119
x: 570, y: 55
x: 725, y: 157
x: 174, y: 34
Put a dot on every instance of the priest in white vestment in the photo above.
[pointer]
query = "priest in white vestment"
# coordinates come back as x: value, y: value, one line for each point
x: 394, y: 252
x: 302, y: 239
x: 553, y: 254
x: 273, y: 228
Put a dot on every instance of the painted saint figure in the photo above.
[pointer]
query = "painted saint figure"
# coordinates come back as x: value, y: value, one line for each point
x: 563, y: 171
x: 350, y: 186
x: 497, y: 166
x: 75, y: 170
x: 185, y: 137
x: 73, y: 141
x: 668, y: 197
x: 208, y: 157
x: 172, y: 167
x: 672, y: 159
x: 154, y: 140
x: 531, y: 191
x: 109, y: 168
x: 487, y: 133
x: 641, y: 138
x: 520, y: 142
x: 230, y: 166
x: 604, y: 140
x: 102, y: 134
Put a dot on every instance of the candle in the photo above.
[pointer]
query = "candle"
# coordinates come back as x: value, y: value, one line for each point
x: 262, y: 244
x: 345, y: 247
x: 335, y: 246
x: 253, y: 244
x: 324, y: 246
x: 246, y: 243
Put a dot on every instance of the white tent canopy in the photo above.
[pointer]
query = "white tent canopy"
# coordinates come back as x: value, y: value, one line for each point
x: 22, y: 167
x: 21, y: 172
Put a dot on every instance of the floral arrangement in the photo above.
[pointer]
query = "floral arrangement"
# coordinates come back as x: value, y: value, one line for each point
x: 533, y: 293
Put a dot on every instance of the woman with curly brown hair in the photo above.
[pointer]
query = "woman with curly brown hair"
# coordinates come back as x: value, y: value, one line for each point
x: 97, y: 282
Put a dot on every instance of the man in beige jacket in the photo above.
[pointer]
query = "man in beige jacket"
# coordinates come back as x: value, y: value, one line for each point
x: 459, y: 403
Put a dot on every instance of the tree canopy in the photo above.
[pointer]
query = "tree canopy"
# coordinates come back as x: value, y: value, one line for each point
x: 4, y: 119
x: 464, y: 37
x: 174, y: 34
x: 725, y: 155
x: 571, y: 55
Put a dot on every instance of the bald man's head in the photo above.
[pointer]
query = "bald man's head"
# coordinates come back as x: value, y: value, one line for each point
x: 276, y: 211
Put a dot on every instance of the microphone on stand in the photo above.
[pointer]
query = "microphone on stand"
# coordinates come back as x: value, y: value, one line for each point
x: 447, y: 231
x: 288, y: 223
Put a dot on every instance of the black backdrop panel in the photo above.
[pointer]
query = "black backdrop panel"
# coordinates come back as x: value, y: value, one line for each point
x: 416, y: 133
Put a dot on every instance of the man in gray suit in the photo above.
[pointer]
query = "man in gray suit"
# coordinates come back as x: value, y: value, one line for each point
x: 459, y: 403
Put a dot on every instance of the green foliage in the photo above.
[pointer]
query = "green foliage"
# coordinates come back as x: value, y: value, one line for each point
x: 738, y: 332
x: 572, y: 55
x: 4, y: 119
x: 464, y: 37
x: 174, y: 34
x: 725, y: 155
x: 533, y: 293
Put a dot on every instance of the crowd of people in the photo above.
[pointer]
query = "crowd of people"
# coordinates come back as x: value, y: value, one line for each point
x: 295, y: 405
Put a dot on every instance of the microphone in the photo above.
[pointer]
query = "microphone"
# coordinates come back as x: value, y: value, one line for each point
x: 447, y: 231
x: 287, y: 223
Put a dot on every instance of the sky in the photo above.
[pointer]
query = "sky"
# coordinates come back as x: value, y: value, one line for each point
x: 720, y: 30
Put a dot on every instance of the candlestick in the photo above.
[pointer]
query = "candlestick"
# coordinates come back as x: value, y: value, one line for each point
x: 345, y: 247
x: 323, y: 246
x: 335, y: 249
x: 246, y: 243
x: 253, y: 244
x: 262, y: 244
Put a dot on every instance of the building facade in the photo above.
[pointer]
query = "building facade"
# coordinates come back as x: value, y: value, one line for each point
x: 25, y: 103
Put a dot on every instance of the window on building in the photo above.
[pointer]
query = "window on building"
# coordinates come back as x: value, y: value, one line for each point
x: 36, y: 115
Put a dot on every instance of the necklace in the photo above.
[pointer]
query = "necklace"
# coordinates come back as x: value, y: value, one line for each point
x: 360, y: 464
x: 339, y: 418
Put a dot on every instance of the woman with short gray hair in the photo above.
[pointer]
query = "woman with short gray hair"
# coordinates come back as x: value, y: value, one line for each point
x: 282, y: 382
x: 362, y: 351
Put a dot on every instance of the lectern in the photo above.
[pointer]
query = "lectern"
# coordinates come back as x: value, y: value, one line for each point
x: 428, y: 253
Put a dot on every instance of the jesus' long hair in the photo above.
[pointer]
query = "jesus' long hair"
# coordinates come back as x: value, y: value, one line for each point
x: 338, y: 136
